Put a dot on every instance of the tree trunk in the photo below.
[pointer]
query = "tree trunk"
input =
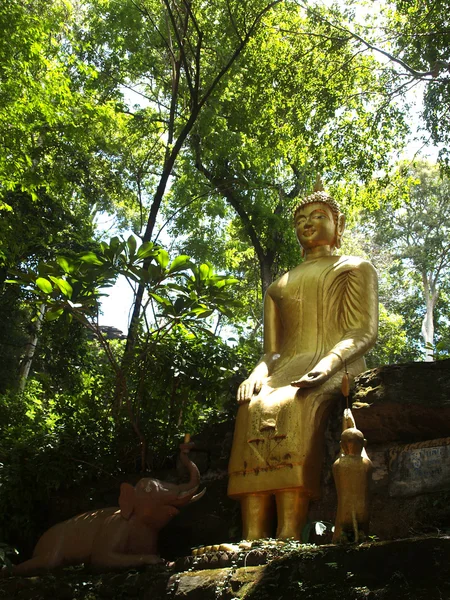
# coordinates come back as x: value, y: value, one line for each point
x: 431, y: 294
x: 265, y: 267
x: 3, y: 274
x: 30, y: 350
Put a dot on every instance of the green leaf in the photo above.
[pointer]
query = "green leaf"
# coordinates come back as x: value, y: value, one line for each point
x: 63, y: 285
x: 64, y: 264
x: 160, y: 299
x: 179, y: 263
x: 53, y: 314
x: 44, y: 285
x: 175, y: 286
x: 132, y: 244
x: 91, y: 258
x: 220, y: 281
x: 180, y: 304
x: 140, y: 275
x: 155, y: 272
x: 163, y: 258
x: 147, y: 249
x: 204, y: 271
x: 202, y: 313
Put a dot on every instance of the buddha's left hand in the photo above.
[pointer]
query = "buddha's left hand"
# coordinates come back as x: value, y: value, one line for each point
x: 311, y: 379
x: 323, y: 370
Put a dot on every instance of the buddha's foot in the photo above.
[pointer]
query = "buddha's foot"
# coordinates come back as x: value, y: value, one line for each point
x: 220, y: 548
x: 205, y: 549
x: 247, y: 553
x: 243, y: 546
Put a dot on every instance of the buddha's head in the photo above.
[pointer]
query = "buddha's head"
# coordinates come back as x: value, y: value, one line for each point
x: 352, y: 441
x: 318, y: 221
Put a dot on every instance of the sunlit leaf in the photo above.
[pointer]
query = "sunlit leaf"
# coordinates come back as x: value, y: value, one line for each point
x: 44, y: 285
x: 63, y: 285
x: 91, y: 258
x: 202, y: 312
x: 53, y: 314
x: 160, y: 299
x: 204, y: 271
x: 64, y: 264
x: 163, y: 258
x: 147, y: 249
x: 179, y: 263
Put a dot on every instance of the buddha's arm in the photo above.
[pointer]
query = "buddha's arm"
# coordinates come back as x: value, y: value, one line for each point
x: 272, y: 341
x: 358, y: 313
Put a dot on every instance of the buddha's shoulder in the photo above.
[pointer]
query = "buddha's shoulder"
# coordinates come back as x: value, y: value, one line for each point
x: 354, y: 262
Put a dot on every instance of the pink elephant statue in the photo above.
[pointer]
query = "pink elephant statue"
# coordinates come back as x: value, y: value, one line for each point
x: 123, y: 536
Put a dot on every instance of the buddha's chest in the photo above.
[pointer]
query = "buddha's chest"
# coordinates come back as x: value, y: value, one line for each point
x: 309, y: 286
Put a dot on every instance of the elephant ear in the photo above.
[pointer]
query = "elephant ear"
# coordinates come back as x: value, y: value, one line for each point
x: 126, y: 500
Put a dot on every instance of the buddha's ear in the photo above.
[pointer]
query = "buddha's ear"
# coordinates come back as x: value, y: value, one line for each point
x: 340, y: 226
x: 126, y: 500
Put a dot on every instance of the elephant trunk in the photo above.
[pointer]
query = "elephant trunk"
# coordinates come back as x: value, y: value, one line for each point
x: 186, y: 491
x: 194, y: 475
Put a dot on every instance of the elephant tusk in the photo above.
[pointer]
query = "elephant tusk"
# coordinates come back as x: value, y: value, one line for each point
x: 198, y: 496
x: 187, y: 493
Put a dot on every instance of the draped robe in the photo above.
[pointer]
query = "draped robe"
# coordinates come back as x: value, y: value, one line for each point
x: 324, y: 306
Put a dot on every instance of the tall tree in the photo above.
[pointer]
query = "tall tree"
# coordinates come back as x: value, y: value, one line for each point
x: 178, y: 54
x: 422, y: 43
x: 61, y: 137
x: 414, y: 37
x: 58, y: 132
x: 305, y: 103
x: 415, y: 232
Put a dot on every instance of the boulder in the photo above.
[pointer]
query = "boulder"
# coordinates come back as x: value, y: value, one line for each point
x: 403, y: 403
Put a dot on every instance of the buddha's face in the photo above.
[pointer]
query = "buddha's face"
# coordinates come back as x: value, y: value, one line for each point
x: 315, y: 226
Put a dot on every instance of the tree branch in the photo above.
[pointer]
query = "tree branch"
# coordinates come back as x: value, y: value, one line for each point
x: 180, y: 41
x: 423, y: 75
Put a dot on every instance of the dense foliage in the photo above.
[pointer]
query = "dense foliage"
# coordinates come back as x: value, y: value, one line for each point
x: 198, y: 126
x: 410, y: 236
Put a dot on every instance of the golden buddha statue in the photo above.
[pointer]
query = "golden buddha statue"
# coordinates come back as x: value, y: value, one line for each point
x: 318, y: 317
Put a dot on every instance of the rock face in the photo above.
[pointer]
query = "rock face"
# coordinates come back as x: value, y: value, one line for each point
x: 406, y: 403
x: 404, y: 412
x: 397, y: 570
x: 400, y: 569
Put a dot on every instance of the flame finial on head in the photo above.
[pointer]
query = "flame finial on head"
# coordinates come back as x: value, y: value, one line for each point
x: 318, y: 186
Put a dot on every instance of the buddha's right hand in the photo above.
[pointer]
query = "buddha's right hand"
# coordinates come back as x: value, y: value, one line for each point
x: 247, y: 389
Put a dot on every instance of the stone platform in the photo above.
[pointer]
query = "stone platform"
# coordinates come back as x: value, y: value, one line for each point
x: 409, y: 569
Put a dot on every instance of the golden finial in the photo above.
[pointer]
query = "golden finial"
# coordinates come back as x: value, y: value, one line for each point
x: 318, y: 186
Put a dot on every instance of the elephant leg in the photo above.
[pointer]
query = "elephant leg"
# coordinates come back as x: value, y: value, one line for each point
x: 37, y: 564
